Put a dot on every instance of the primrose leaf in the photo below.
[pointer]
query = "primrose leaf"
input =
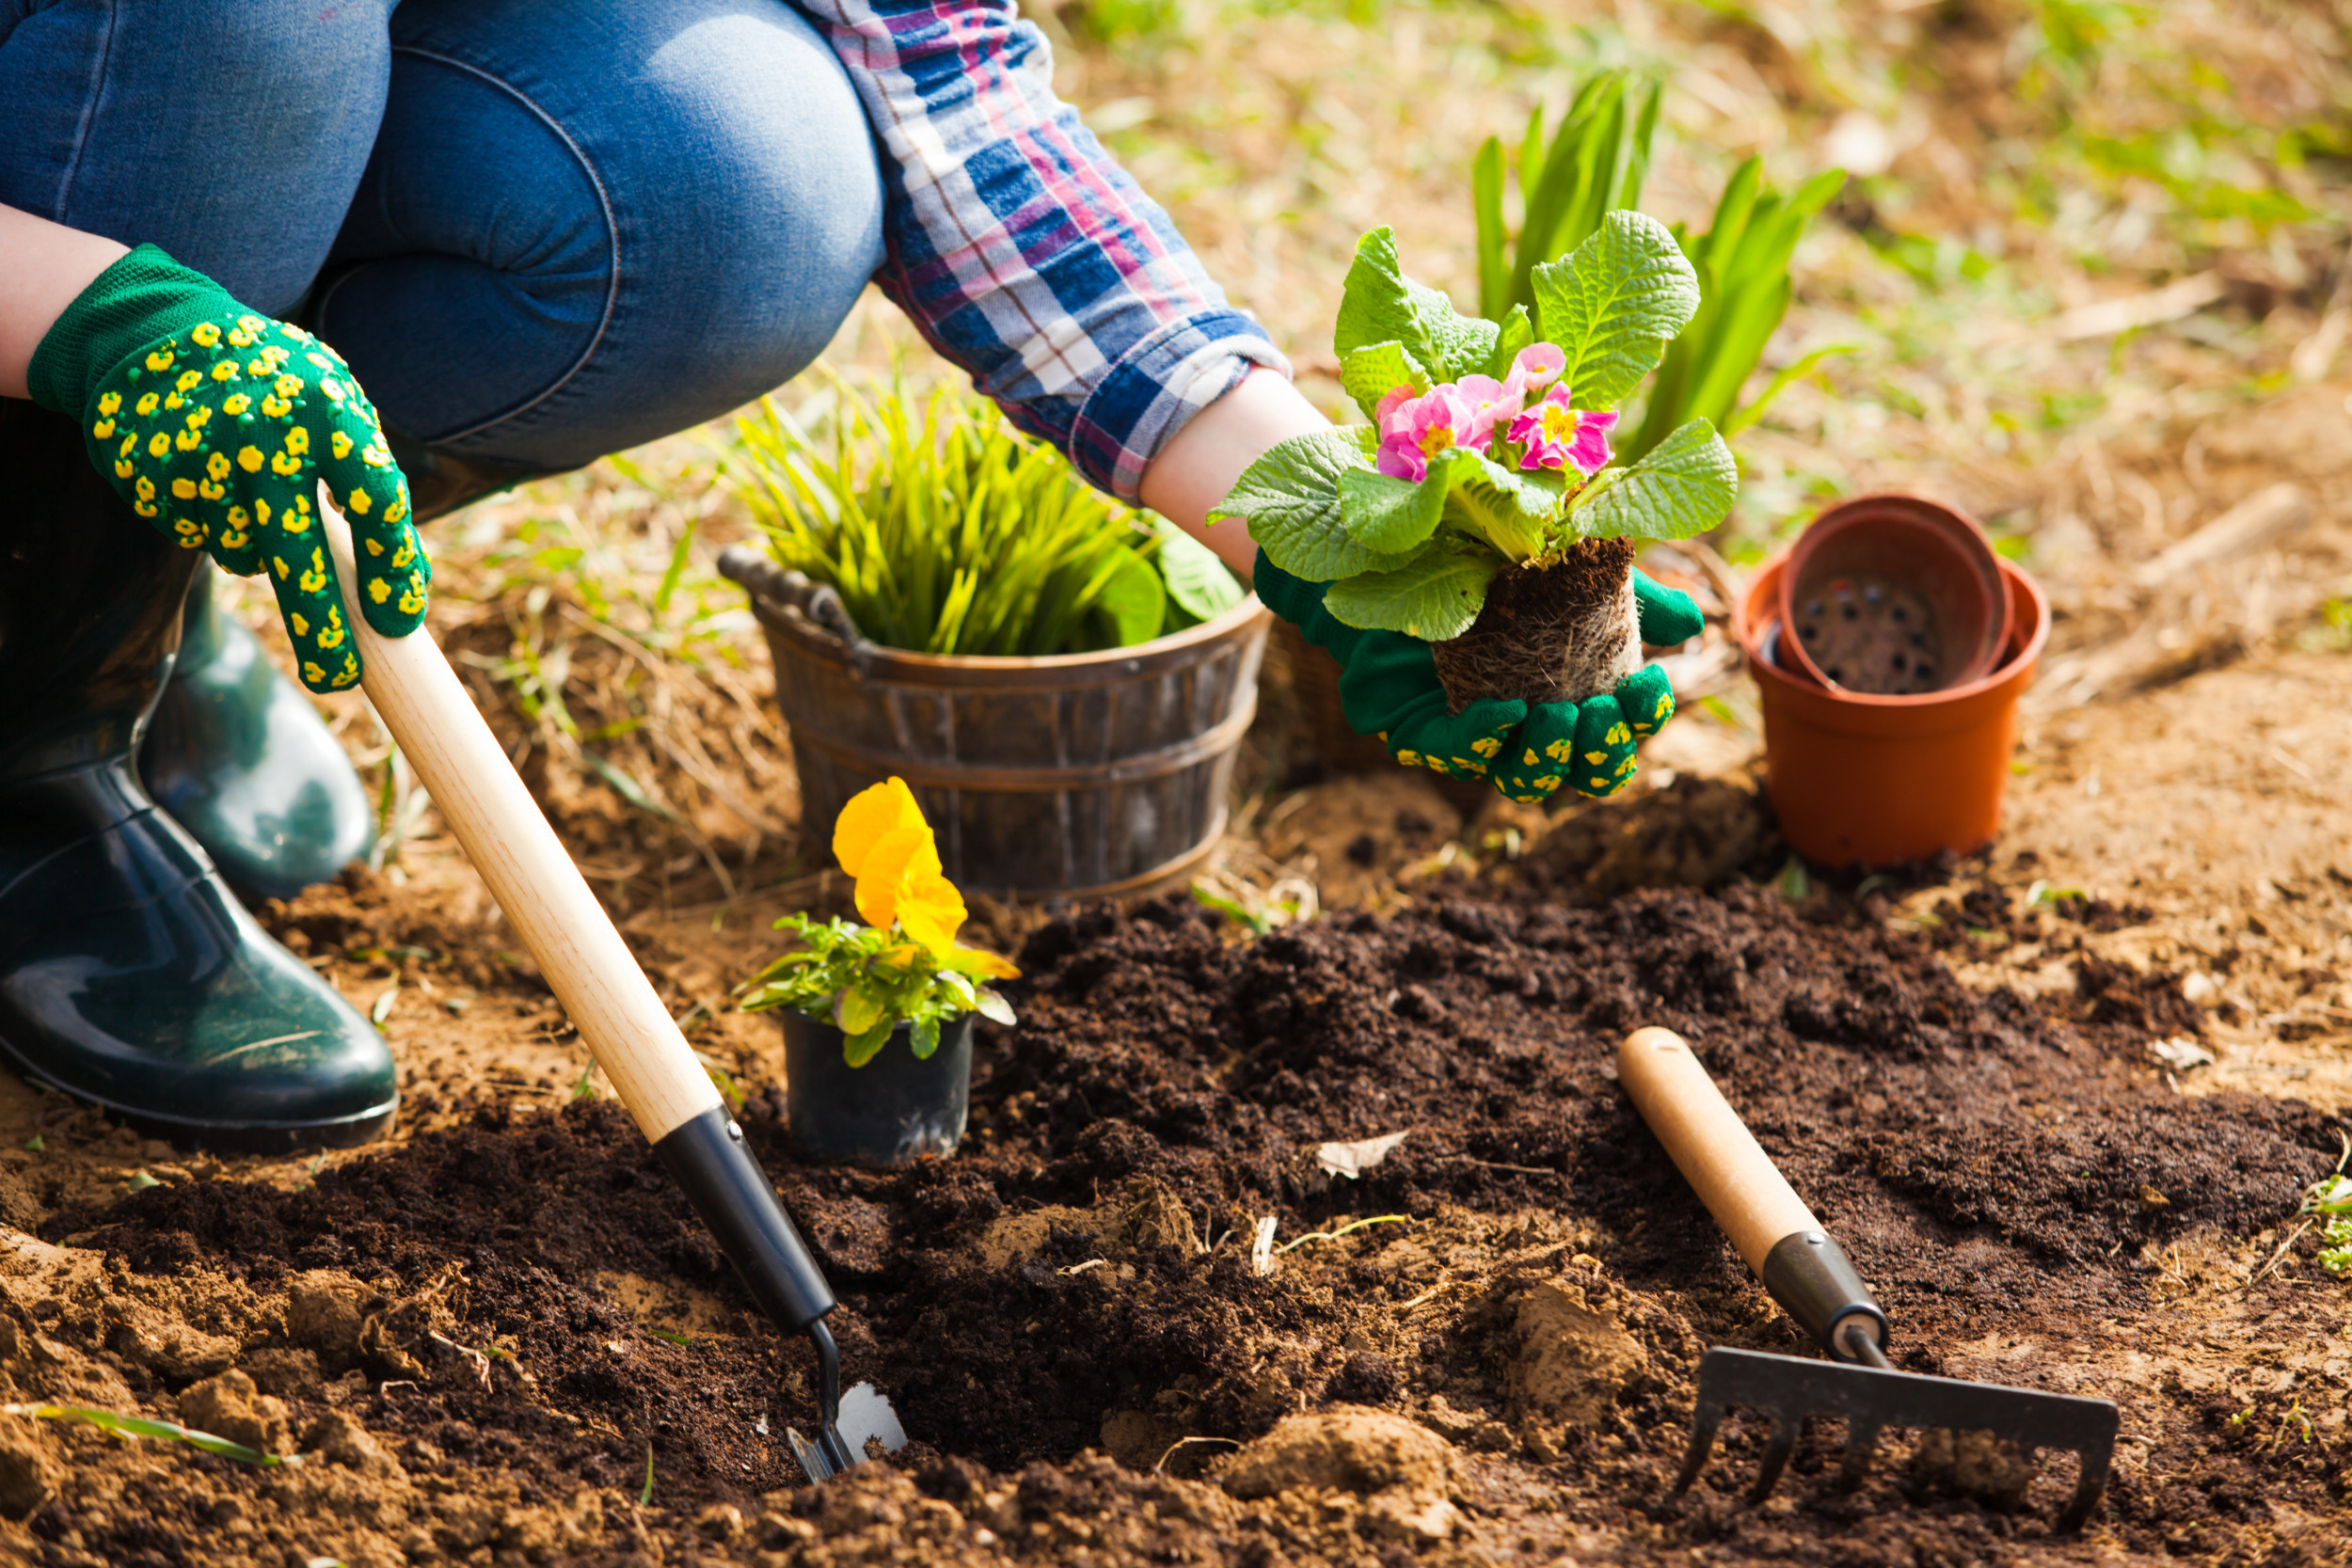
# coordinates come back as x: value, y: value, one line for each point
x: 1459, y: 345
x: 1199, y: 583
x: 1611, y: 305
x: 1684, y: 486
x: 1291, y: 498
x: 1501, y: 507
x: 1516, y: 333
x: 1372, y: 371
x: 1433, y: 598
x: 1375, y: 306
x: 1394, y: 516
x: 994, y: 1007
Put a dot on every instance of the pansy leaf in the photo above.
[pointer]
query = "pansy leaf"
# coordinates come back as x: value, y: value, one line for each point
x: 1291, y: 498
x: 1614, y: 303
x: 1434, y: 597
x: 1683, y: 486
x: 1372, y: 371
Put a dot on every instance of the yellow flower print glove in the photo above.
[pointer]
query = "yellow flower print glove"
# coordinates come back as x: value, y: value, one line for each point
x: 1389, y: 687
x: 217, y: 424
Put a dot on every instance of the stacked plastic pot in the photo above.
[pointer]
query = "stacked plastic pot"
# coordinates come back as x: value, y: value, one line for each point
x: 1890, y: 646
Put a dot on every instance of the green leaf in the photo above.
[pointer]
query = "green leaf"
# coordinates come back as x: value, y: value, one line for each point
x: 1198, y: 582
x: 857, y: 1008
x: 925, y: 1038
x: 1503, y: 508
x: 1375, y: 307
x: 1371, y: 372
x: 994, y: 1007
x: 1781, y: 383
x: 1433, y: 598
x: 1494, y: 265
x: 1134, y: 601
x: 1516, y: 332
x: 1458, y: 345
x: 859, y: 1049
x: 1395, y: 515
x: 144, y: 1426
x: 1683, y: 487
x: 1613, y: 304
x: 1291, y: 498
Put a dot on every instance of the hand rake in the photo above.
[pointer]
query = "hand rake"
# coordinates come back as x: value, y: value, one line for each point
x: 1809, y: 1276
x: 609, y: 999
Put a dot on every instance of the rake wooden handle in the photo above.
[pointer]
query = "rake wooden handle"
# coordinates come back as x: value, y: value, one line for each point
x: 537, y: 887
x: 1711, y: 1145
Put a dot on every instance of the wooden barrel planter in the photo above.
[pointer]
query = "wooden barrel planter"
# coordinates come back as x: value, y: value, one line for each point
x: 1078, y: 776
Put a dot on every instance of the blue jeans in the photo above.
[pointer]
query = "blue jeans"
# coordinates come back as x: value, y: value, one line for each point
x: 540, y: 229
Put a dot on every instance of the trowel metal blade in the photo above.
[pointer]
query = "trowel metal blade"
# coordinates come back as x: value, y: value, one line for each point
x: 866, y: 1416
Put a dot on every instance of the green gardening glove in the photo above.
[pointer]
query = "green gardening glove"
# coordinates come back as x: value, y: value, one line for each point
x: 1389, y: 687
x: 216, y: 424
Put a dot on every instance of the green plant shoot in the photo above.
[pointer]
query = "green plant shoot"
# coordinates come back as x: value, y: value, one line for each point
x: 954, y: 534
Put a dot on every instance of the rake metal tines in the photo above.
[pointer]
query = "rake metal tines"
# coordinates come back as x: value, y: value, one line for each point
x: 1872, y: 1398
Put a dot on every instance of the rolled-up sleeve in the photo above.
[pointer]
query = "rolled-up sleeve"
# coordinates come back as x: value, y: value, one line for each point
x: 1022, y: 250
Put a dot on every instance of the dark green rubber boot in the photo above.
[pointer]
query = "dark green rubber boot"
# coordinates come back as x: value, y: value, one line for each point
x: 240, y: 758
x: 129, y: 975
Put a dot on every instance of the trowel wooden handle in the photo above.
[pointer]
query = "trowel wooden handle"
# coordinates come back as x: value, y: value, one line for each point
x: 1711, y: 1145
x: 541, y: 891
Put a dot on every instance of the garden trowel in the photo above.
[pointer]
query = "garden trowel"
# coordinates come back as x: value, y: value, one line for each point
x: 614, y: 1005
x: 1811, y: 1279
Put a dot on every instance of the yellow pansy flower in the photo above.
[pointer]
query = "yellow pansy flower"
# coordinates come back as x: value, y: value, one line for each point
x: 882, y: 840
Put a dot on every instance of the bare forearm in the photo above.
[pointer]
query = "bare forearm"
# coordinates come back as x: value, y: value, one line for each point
x: 43, y: 266
x: 1193, y: 472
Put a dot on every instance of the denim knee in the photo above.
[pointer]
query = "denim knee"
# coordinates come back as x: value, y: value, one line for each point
x: 550, y: 269
x: 232, y: 132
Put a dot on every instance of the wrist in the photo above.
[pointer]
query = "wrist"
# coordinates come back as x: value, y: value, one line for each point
x: 140, y: 298
x: 1198, y: 465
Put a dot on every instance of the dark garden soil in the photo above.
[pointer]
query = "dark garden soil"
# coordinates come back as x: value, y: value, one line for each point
x: 489, y: 1342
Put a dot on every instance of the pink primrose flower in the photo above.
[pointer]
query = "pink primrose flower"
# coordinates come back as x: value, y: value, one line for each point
x: 1557, y: 435
x: 1418, y: 429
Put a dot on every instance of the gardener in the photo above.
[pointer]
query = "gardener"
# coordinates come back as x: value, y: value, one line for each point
x: 534, y: 233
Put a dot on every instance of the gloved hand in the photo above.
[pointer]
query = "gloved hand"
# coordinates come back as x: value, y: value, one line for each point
x: 1389, y: 687
x: 216, y: 424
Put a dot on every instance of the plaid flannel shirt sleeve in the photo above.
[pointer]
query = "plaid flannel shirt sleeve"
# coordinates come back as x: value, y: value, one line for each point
x: 1019, y: 247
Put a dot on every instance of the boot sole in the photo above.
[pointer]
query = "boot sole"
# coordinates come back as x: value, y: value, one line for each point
x: 251, y: 1137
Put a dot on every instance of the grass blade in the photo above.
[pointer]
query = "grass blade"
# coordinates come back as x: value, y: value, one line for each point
x: 142, y: 1426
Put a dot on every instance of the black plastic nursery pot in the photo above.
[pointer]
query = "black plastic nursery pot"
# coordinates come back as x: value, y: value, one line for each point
x: 892, y: 1111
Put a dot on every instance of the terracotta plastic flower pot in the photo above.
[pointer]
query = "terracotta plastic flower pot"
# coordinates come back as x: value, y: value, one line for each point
x: 892, y: 1111
x: 1863, y: 780
x: 1894, y: 594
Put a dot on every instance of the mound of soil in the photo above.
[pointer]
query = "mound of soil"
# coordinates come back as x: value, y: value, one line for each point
x: 1478, y: 1348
